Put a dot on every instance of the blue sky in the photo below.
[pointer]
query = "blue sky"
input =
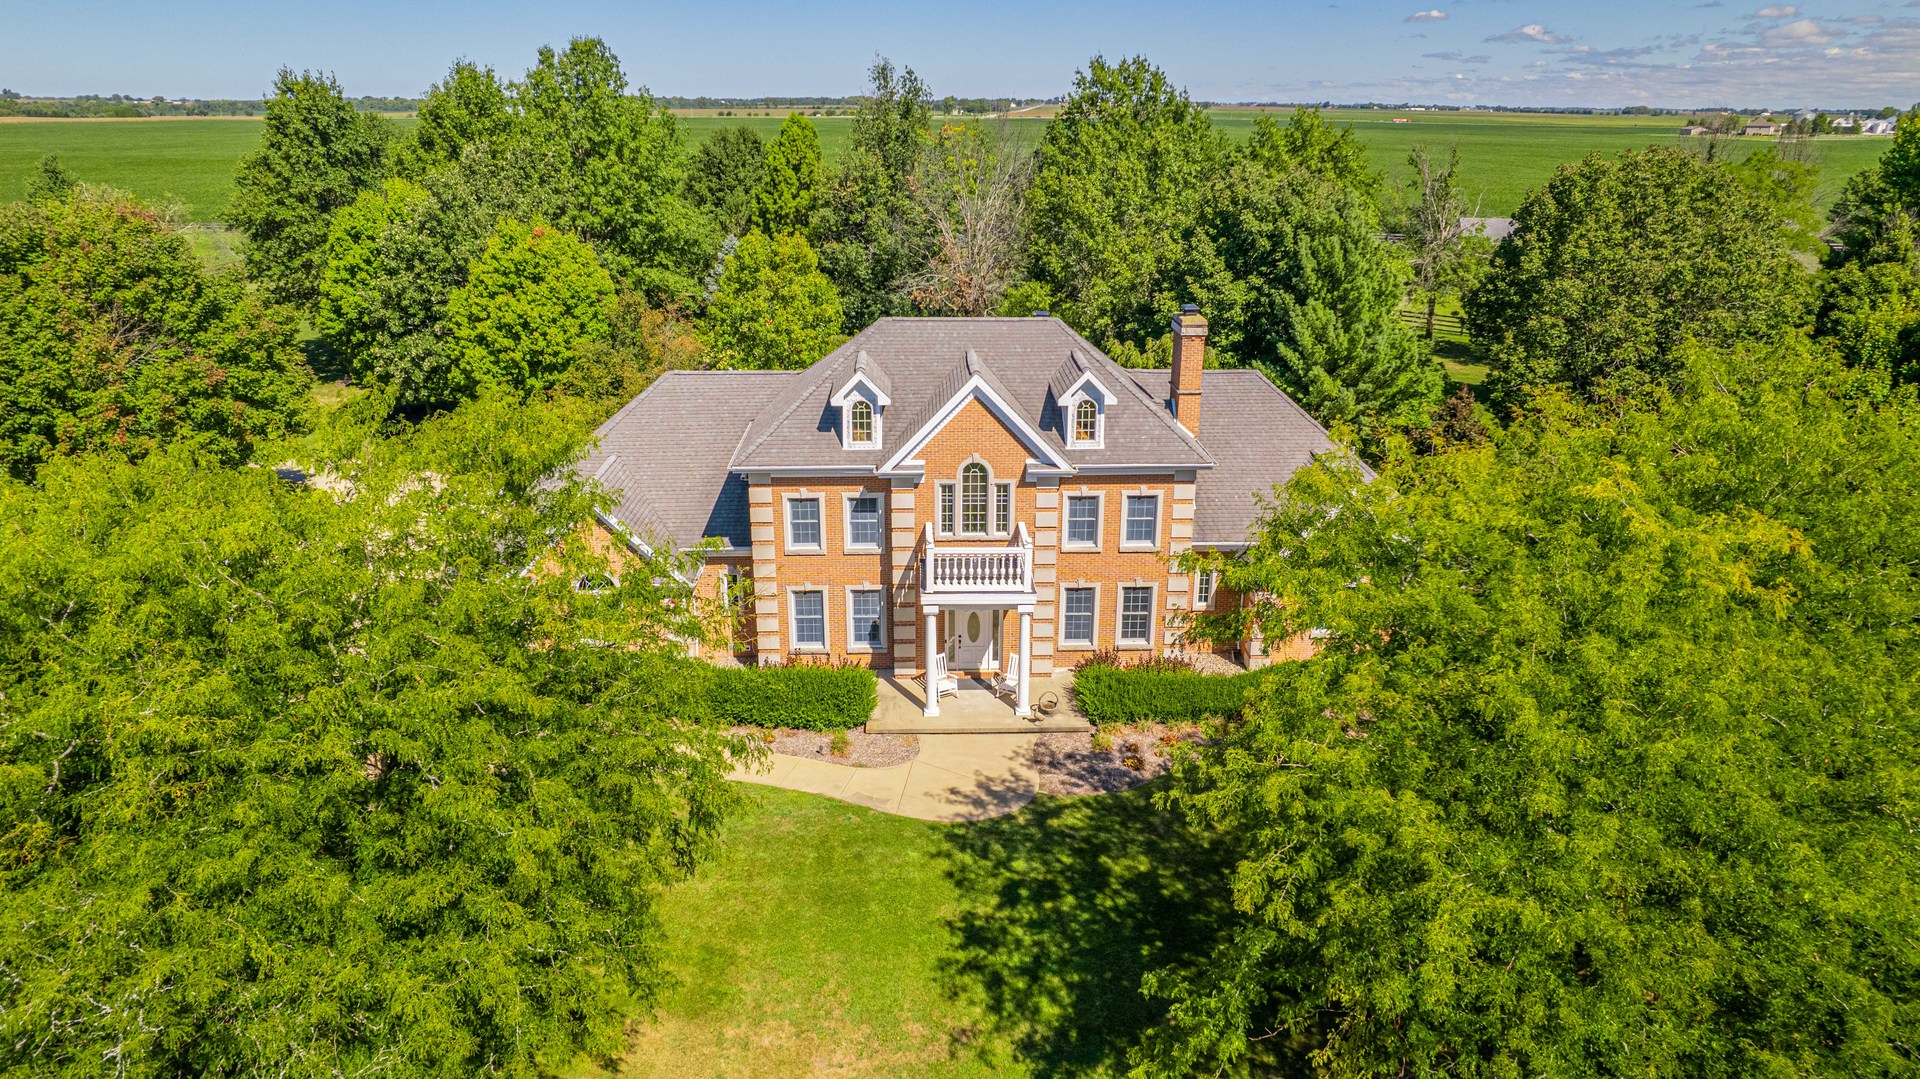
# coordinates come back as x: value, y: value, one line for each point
x: 1621, y: 52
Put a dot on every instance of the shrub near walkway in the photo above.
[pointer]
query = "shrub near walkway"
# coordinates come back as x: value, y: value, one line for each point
x: 1108, y: 690
x: 806, y: 697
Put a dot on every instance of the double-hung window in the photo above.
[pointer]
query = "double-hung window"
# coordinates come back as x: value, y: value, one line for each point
x: 863, y: 617
x: 1076, y: 616
x: 973, y: 500
x: 1136, y: 615
x: 803, y: 524
x: 1002, y: 508
x: 863, y: 522
x: 1083, y: 520
x: 1143, y: 520
x: 946, y: 509
x: 810, y: 619
x: 1203, y: 589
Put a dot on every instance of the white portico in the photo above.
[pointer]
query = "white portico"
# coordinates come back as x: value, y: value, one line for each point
x: 974, y: 586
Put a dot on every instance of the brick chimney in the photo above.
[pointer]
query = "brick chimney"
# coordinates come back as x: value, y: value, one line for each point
x: 1189, y: 357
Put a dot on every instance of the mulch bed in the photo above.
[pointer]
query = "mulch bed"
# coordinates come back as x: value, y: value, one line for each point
x: 1069, y: 763
x: 863, y: 750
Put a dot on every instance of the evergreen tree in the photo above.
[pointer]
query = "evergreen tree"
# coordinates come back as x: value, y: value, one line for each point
x: 316, y: 155
x: 791, y: 179
x: 1123, y: 167
x: 774, y: 307
x: 49, y: 180
x: 1293, y: 274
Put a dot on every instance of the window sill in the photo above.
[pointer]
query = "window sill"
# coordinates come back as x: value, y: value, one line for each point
x: 1141, y: 547
x: 1133, y: 646
x: 808, y: 650
x: 861, y: 549
x: 1081, y: 548
x: 803, y: 550
x: 866, y: 650
x: 1076, y: 646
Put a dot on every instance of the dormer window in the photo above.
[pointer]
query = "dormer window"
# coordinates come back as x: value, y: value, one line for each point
x: 860, y: 423
x: 1086, y: 421
x: 862, y: 401
x: 1085, y: 413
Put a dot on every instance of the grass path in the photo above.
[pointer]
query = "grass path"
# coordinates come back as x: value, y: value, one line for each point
x: 832, y: 940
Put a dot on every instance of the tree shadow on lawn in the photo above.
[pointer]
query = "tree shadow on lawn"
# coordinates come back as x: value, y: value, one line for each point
x: 1064, y: 906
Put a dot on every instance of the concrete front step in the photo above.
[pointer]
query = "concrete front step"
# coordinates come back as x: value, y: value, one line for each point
x: 1061, y: 723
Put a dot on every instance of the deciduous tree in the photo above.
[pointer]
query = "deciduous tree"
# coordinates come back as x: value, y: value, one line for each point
x: 530, y: 302
x: 1616, y: 263
x: 868, y: 227
x: 971, y: 187
x: 471, y: 105
x: 114, y: 340
x: 317, y: 153
x: 1606, y: 763
x: 774, y: 307
x: 324, y: 784
x: 1115, y: 195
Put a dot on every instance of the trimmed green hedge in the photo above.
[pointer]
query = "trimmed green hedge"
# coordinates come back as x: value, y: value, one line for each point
x: 1158, y: 691
x: 801, y: 697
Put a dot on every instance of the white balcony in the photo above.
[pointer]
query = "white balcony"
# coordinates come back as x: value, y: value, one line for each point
x: 977, y: 574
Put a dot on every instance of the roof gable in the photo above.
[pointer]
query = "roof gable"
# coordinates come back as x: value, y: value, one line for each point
x: 972, y: 381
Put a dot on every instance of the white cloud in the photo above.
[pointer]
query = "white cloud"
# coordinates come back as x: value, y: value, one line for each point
x: 1533, y: 31
x: 1777, y: 11
x: 1430, y: 15
x: 1798, y: 32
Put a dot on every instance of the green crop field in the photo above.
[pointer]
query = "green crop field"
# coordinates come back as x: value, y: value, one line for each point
x: 1502, y: 155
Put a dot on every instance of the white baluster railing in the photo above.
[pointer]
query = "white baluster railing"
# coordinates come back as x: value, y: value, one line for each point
x: 977, y: 569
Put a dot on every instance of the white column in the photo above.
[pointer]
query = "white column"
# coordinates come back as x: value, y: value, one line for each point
x: 1020, y: 694
x: 931, y: 648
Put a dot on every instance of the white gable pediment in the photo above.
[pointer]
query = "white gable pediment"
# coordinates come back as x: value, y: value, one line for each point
x: 976, y: 388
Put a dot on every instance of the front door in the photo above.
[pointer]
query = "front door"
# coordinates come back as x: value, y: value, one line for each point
x: 973, y: 640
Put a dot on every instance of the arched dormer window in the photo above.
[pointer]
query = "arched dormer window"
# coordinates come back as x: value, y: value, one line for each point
x: 1086, y: 421
x: 860, y: 423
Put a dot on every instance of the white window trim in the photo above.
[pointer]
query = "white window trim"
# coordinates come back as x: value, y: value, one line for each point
x: 1087, y: 388
x: 793, y: 622
x: 943, y: 491
x: 846, y: 522
x: 854, y: 644
x: 1159, y: 507
x: 1099, y: 520
x: 959, y: 508
x: 786, y: 530
x: 1093, y: 643
x: 1212, y: 577
x: 1153, y: 615
x: 847, y: 441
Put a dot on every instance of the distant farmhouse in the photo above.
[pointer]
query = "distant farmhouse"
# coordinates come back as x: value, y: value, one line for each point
x: 1761, y: 127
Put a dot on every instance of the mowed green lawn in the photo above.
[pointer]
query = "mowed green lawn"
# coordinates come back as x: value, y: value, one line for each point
x: 1502, y: 155
x: 828, y: 939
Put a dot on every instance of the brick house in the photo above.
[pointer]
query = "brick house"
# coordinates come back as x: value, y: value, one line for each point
x: 995, y: 486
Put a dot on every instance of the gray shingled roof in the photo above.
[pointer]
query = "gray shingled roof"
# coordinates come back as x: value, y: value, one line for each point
x: 676, y: 456
x: 1019, y: 357
x: 1258, y: 437
x: 664, y: 455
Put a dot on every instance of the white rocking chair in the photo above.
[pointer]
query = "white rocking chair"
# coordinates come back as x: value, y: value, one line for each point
x: 942, y: 683
x: 1007, y: 682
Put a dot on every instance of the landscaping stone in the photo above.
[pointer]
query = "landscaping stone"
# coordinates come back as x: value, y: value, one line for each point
x: 863, y: 750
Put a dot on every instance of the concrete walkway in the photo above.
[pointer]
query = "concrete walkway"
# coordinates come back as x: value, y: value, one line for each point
x: 956, y: 777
